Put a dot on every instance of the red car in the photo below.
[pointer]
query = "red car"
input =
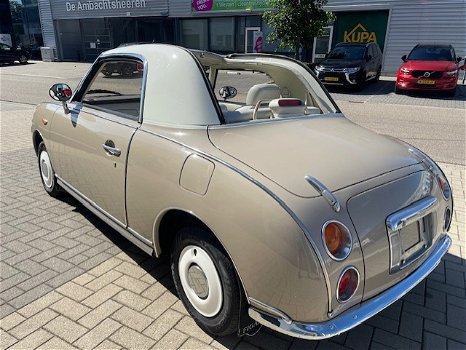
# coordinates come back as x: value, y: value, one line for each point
x: 429, y: 68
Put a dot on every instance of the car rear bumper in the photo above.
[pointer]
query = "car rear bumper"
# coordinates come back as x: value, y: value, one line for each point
x: 359, y: 313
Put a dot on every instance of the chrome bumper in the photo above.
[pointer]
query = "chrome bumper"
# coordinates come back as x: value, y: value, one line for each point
x: 357, y: 314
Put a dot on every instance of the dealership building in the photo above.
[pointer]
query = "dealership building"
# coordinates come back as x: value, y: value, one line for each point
x: 81, y: 29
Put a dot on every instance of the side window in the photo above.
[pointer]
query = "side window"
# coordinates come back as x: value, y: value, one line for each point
x: 117, y: 87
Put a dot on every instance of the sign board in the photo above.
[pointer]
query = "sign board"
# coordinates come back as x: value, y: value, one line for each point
x: 258, y: 41
x: 6, y: 39
x: 228, y: 5
x: 79, y: 9
x: 361, y: 27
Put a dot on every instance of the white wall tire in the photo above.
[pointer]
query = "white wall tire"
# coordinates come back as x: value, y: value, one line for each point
x: 47, y: 174
x: 214, y: 303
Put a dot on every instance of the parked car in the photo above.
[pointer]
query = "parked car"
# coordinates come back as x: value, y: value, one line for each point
x: 9, y: 54
x: 268, y: 201
x: 351, y: 64
x: 429, y: 67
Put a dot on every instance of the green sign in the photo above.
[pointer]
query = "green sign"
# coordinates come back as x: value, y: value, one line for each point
x: 228, y: 5
x: 361, y: 27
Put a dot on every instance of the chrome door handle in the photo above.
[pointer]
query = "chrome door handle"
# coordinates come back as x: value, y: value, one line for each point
x: 111, y: 150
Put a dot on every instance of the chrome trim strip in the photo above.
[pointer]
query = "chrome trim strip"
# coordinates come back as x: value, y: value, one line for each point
x: 411, y: 213
x: 348, y: 252
x: 270, y: 309
x: 325, y: 192
x: 359, y: 314
x: 271, y: 194
x: 135, y: 238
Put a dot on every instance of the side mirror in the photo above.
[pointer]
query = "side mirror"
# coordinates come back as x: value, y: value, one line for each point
x: 227, y: 92
x: 61, y: 92
x: 404, y: 58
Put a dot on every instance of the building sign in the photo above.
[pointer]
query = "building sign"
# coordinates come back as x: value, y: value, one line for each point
x: 100, y: 5
x: 80, y: 9
x: 361, y: 27
x: 228, y: 5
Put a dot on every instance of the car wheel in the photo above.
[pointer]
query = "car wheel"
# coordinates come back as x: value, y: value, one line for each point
x: 23, y: 59
x: 398, y: 91
x: 206, y: 281
x: 47, y: 174
x: 127, y: 70
x: 11, y: 62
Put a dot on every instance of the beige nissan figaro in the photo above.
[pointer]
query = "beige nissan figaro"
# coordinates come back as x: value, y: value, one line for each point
x: 274, y: 208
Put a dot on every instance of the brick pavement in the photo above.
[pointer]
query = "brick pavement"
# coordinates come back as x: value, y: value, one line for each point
x: 69, y: 281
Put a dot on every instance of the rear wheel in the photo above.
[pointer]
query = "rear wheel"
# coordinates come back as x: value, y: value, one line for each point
x: 47, y: 174
x: 206, y: 281
x: 23, y: 59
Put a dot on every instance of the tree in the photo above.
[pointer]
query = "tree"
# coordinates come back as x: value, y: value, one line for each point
x: 296, y: 22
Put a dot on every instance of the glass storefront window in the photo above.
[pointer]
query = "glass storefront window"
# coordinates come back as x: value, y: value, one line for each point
x: 194, y: 33
x: 222, y: 34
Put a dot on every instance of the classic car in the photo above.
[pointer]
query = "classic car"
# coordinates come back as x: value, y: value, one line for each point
x: 351, y: 64
x: 272, y: 206
x: 429, y: 67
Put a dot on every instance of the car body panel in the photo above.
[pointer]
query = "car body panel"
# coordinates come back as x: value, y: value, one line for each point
x: 317, y: 147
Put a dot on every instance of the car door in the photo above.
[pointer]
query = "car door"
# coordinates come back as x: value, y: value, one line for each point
x: 89, y: 145
x: 370, y: 62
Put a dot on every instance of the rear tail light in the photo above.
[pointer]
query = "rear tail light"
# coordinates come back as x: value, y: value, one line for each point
x: 347, y: 284
x: 337, y: 240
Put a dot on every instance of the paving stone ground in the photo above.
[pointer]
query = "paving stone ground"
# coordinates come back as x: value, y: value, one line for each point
x: 68, y: 281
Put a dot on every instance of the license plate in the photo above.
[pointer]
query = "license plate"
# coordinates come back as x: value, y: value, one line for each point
x: 410, y: 236
x: 426, y: 81
x: 331, y: 79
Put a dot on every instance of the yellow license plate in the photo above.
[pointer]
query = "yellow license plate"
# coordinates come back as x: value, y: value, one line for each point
x: 426, y: 81
x: 331, y: 79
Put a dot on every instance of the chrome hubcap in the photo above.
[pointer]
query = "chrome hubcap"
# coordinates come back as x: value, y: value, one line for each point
x: 46, y: 169
x: 200, y: 280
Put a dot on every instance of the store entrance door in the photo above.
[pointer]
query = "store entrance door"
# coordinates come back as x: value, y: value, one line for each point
x: 322, y: 45
x: 96, y: 37
x: 249, y: 41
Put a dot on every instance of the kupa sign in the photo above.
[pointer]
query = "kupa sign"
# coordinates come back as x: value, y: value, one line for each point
x: 100, y: 5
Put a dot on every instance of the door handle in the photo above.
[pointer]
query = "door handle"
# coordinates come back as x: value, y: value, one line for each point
x: 109, y: 147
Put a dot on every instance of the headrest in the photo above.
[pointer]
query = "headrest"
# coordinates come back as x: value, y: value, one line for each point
x: 286, y: 107
x: 262, y: 92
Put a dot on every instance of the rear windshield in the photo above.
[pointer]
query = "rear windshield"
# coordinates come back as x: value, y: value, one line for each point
x: 423, y: 53
x: 347, y: 52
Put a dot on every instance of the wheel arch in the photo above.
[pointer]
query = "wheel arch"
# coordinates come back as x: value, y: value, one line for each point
x: 170, y: 221
x: 37, y: 138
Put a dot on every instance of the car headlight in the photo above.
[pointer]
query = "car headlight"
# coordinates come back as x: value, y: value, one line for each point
x: 405, y: 70
x: 435, y: 170
x: 452, y: 72
x: 352, y: 69
x: 319, y: 68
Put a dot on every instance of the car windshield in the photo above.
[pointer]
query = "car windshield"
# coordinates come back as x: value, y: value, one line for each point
x: 425, y: 53
x: 347, y: 52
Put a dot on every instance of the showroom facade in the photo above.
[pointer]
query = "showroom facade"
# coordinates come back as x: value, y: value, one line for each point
x: 80, y: 30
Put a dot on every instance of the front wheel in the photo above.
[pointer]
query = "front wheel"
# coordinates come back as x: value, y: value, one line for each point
x: 47, y: 174
x: 206, y: 281
x: 451, y: 93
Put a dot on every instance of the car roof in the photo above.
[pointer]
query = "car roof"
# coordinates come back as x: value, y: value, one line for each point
x: 445, y: 46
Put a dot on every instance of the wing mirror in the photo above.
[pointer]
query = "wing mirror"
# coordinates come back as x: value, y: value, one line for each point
x: 404, y: 58
x: 227, y: 92
x: 61, y: 92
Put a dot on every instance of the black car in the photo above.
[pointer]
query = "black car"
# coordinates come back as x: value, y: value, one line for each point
x: 351, y: 64
x: 10, y: 54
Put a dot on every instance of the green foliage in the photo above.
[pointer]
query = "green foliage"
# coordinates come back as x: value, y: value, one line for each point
x: 296, y: 22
